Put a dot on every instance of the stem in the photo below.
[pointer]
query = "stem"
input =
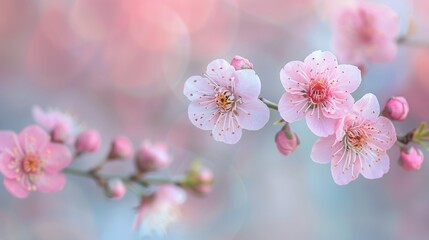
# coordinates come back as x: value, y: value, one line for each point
x: 269, y: 104
x: 412, y: 42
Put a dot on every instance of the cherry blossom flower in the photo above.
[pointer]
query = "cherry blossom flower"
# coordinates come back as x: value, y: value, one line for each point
x: 30, y: 162
x: 319, y: 90
x: 365, y: 31
x: 396, y: 108
x: 359, y: 145
x: 61, y: 126
x: 225, y: 101
x: 156, y: 212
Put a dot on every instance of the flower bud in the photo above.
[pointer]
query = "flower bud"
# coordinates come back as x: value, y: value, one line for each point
x: 88, y: 141
x: 59, y: 133
x: 121, y: 148
x: 115, y: 188
x: 286, y: 141
x: 199, y: 179
x: 151, y: 157
x: 396, y: 108
x: 411, y: 158
x: 239, y: 63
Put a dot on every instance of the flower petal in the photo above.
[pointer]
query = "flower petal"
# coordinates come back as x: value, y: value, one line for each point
x: 8, y: 140
x: 5, y: 161
x: 368, y: 107
x: 227, y: 129
x: 320, y: 125
x: 322, y: 150
x: 376, y: 168
x: 197, y: 88
x: 253, y: 115
x: 247, y: 84
x: 51, y: 182
x: 220, y: 72
x: 320, y: 64
x: 33, y: 137
x: 293, y: 76
x: 15, y: 188
x: 341, y: 173
x: 291, y: 107
x: 346, y: 78
x: 203, y: 116
x: 58, y: 157
x: 384, y: 134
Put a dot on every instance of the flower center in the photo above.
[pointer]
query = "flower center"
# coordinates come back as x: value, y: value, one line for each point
x: 318, y: 91
x: 355, y: 139
x: 31, y: 163
x: 225, y: 100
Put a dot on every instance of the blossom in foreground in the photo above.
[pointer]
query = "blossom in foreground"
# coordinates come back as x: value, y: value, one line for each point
x: 411, y: 158
x: 365, y: 31
x: 156, y: 212
x: 225, y: 101
x: 30, y: 162
x: 61, y: 126
x: 152, y: 157
x: 359, y: 145
x: 396, y: 108
x: 318, y: 90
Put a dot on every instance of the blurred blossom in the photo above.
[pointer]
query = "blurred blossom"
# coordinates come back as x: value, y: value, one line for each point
x: 88, y: 141
x: 199, y: 179
x: 121, y: 148
x: 350, y: 151
x: 311, y: 95
x: 225, y: 101
x: 365, y: 32
x: 286, y: 140
x: 30, y: 162
x: 239, y: 63
x: 152, y: 157
x: 411, y: 158
x: 61, y: 126
x: 157, y: 211
x: 115, y: 188
x: 396, y: 108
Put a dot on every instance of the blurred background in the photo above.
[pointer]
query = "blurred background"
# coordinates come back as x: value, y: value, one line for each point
x: 120, y: 67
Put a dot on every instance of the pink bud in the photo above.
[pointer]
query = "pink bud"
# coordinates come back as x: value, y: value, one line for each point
x: 396, y: 108
x: 286, y: 141
x: 59, y: 133
x: 239, y: 63
x: 411, y: 158
x: 115, y: 188
x: 151, y: 157
x: 121, y: 148
x: 88, y: 141
x: 203, y: 181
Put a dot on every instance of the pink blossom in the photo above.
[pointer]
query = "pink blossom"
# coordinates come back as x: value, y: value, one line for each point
x: 61, y: 126
x: 365, y: 31
x: 396, y: 108
x: 152, y: 157
x: 115, y: 188
x: 225, y: 101
x: 88, y: 141
x: 359, y: 145
x: 411, y: 158
x: 156, y: 212
x: 286, y: 141
x: 121, y: 148
x: 319, y: 90
x: 30, y: 162
x: 239, y: 62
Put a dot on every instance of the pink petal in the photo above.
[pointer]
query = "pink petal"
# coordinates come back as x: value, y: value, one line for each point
x: 5, y: 159
x: 322, y: 150
x: 220, y: 72
x: 341, y: 174
x: 374, y: 168
x: 33, y: 136
x: 339, y: 109
x: 8, y: 140
x: 15, y: 188
x: 41, y: 118
x: 383, y: 54
x: 58, y: 157
x: 289, y: 110
x: 384, y: 136
x: 227, y: 129
x: 388, y: 21
x: 293, y: 76
x: 320, y: 64
x: 51, y: 182
x: 368, y: 107
x: 203, y: 116
x: 247, y: 84
x: 196, y: 88
x: 320, y: 125
x: 253, y: 115
x: 348, y: 78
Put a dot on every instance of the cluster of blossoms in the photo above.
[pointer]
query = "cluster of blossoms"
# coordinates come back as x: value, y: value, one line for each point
x: 354, y: 137
x: 37, y: 158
